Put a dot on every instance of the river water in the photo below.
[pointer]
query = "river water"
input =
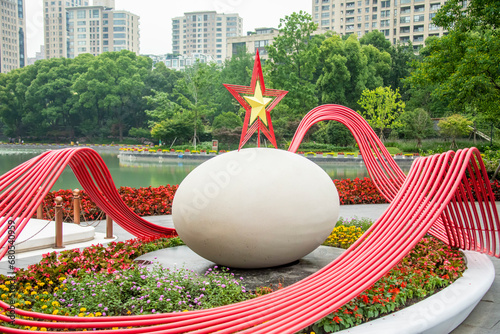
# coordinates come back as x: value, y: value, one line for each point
x: 140, y: 174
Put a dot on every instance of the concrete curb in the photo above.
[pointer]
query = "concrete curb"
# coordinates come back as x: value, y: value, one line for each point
x: 442, y: 312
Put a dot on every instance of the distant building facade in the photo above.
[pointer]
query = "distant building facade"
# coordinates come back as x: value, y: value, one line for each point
x: 204, y: 33
x: 399, y: 20
x: 82, y: 28
x: 252, y: 42
x: 13, y: 34
x: 38, y: 56
x: 180, y: 62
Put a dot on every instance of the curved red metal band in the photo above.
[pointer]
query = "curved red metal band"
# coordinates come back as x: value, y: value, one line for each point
x: 447, y: 194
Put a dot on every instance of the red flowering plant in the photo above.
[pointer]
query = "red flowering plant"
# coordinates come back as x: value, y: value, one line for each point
x: 429, y: 267
x: 358, y: 191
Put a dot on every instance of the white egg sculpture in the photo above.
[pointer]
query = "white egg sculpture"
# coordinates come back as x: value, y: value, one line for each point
x: 255, y: 208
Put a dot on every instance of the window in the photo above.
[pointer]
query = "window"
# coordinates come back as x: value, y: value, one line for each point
x: 404, y: 19
x: 80, y: 14
x: 118, y: 28
x: 432, y: 26
x: 119, y: 15
x: 82, y: 36
x: 418, y: 38
x: 418, y: 18
x: 435, y: 6
x: 404, y: 39
x: 419, y: 28
x: 384, y: 23
x: 120, y: 22
x: 431, y: 16
x: 404, y: 30
x: 405, y: 10
x: 81, y: 23
x: 419, y: 8
x: 70, y: 15
x: 120, y: 42
x: 385, y: 13
x: 82, y: 49
x: 325, y: 15
x: 95, y: 13
x: 325, y: 22
x: 82, y: 42
x: 81, y: 29
x: 374, y: 16
x: 385, y: 4
x: 374, y: 24
x: 327, y: 7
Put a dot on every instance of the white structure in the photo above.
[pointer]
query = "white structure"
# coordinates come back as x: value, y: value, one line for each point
x: 252, y: 42
x: 204, y: 33
x: 255, y: 208
x: 399, y: 20
x: 74, y: 27
x: 13, y: 34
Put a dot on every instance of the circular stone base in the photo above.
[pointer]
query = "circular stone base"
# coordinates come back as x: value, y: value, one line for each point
x: 184, y: 257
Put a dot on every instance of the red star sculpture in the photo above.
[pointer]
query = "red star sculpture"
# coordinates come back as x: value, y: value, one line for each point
x: 257, y: 106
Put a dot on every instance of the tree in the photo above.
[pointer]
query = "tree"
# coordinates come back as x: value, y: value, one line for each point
x: 293, y: 58
x: 335, y: 133
x: 377, y: 39
x: 464, y: 63
x: 348, y: 68
x: 382, y: 107
x: 227, y: 120
x: 454, y: 126
x: 416, y: 124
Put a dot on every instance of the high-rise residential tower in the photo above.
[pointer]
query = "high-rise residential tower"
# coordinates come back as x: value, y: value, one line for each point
x: 204, y: 33
x: 399, y: 20
x: 13, y: 34
x: 90, y: 29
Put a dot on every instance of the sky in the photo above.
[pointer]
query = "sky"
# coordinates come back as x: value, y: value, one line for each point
x: 156, y: 17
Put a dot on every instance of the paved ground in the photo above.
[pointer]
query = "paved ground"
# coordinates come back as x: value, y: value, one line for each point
x: 485, y: 319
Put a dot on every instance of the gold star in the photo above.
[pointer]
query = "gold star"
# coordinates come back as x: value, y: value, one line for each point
x: 258, y: 104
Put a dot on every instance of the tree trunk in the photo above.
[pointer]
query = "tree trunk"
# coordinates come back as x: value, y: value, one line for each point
x: 494, y: 176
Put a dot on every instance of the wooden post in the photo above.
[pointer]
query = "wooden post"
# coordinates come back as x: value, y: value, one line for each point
x: 76, y: 206
x: 39, y: 211
x: 59, y: 223
x: 109, y: 227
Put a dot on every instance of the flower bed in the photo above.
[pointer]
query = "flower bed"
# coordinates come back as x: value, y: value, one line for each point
x: 152, y: 201
x: 69, y: 283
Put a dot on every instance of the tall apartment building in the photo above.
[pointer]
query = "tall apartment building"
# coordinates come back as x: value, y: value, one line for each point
x: 82, y: 28
x: 13, y: 33
x: 398, y: 20
x: 252, y: 42
x: 205, y: 33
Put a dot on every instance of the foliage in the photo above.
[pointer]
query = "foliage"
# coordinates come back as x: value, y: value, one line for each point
x: 93, y: 259
x: 334, y: 133
x: 147, y: 201
x: 381, y: 108
x: 464, y: 63
x: 146, y: 290
x: 227, y: 120
x: 431, y: 265
x: 293, y: 57
x: 139, y: 133
x: 454, y: 126
x: 348, y: 68
x: 416, y: 124
x: 358, y: 191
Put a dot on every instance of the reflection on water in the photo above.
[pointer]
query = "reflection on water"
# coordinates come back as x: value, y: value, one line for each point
x: 144, y: 174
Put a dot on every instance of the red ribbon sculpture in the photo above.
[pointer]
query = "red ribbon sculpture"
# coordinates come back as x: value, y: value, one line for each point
x: 448, y: 195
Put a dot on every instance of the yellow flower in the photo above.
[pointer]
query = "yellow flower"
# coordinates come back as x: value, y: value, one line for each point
x: 3, y: 296
x: 62, y: 278
x: 33, y: 293
x: 83, y: 309
x: 7, y: 283
x: 98, y: 314
x: 27, y: 302
x: 55, y: 303
x: 44, y: 307
x: 81, y: 314
x: 55, y: 312
x: 43, y: 329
